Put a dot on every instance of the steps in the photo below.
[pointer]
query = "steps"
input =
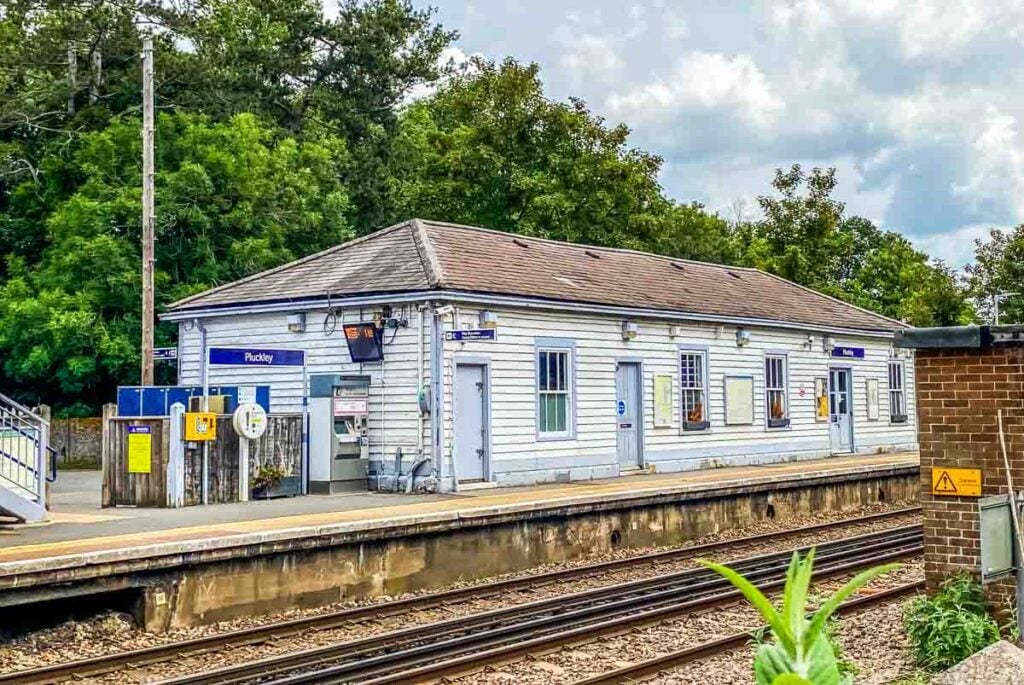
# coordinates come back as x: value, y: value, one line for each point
x: 25, y: 461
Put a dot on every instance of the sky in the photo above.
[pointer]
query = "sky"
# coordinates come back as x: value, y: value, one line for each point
x: 915, y: 102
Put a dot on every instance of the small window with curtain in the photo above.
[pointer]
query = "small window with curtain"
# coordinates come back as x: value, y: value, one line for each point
x: 776, y: 401
x: 693, y: 390
x: 554, y: 393
x: 897, y: 393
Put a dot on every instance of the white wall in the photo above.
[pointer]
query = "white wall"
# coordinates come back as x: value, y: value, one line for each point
x: 518, y: 457
x: 394, y: 414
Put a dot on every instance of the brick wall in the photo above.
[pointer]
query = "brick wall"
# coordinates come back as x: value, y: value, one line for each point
x: 959, y: 392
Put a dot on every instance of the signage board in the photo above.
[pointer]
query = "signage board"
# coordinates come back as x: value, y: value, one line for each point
x: 200, y: 426
x: 140, y: 449
x: 248, y: 356
x: 471, y: 334
x: 364, y: 342
x: 344, y: 406
x: 620, y: 407
x: 956, y: 482
x: 848, y: 352
x: 165, y: 353
x: 662, y: 400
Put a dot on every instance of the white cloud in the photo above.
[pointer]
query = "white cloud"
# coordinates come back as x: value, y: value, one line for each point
x: 590, y: 56
x: 955, y: 247
x: 704, y: 81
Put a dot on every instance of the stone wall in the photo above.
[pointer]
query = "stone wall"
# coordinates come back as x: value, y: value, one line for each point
x: 959, y: 392
x: 78, y: 442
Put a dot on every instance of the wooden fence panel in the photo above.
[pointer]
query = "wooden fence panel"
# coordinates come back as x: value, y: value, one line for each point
x: 121, y: 488
x: 280, y: 446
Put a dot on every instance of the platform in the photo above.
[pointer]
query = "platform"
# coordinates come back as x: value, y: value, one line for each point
x: 85, y: 545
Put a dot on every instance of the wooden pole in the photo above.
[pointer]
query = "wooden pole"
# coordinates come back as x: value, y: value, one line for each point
x: 1015, y: 519
x: 147, y: 211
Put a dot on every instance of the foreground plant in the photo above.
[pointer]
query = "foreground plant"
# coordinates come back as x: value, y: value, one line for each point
x: 801, y: 652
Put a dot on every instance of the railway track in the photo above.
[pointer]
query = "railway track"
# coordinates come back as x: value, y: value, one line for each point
x: 429, y: 652
x: 160, y: 653
x: 667, y: 662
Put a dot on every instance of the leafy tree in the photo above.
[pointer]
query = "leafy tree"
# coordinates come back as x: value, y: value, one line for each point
x: 231, y: 200
x: 999, y: 268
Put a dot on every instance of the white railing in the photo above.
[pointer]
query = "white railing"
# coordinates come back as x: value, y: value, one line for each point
x: 24, y: 450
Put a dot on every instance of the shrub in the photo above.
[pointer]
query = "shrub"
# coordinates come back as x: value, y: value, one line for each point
x: 949, y: 627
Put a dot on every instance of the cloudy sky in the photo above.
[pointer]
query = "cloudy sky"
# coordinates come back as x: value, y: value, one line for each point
x: 916, y: 102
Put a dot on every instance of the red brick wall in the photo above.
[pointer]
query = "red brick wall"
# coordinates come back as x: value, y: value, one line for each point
x: 958, y: 394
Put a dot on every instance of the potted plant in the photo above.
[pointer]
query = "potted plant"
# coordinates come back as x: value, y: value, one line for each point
x: 265, y: 481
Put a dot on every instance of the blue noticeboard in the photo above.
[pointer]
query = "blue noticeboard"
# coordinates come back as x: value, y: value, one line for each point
x: 165, y: 353
x: 848, y: 352
x: 472, y: 334
x: 246, y: 356
x: 156, y: 400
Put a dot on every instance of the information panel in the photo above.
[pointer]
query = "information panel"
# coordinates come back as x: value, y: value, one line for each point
x: 140, y: 449
x: 364, y: 342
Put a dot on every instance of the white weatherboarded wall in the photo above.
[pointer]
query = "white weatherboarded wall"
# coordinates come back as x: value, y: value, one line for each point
x: 394, y: 414
x: 518, y: 457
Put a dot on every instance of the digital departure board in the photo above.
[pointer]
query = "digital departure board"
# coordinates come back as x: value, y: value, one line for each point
x: 364, y: 342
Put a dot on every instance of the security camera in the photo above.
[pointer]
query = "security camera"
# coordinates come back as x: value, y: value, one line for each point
x: 445, y: 310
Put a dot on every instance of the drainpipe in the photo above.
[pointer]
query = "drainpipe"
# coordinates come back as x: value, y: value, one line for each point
x: 437, y: 396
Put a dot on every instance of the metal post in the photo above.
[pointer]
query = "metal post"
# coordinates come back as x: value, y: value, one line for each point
x: 305, y: 428
x: 995, y: 299
x: 147, y: 211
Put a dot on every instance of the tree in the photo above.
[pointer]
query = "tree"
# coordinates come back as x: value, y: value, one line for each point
x: 999, y: 268
x: 231, y: 200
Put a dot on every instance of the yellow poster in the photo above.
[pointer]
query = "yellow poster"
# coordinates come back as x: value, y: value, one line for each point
x: 821, y: 399
x: 662, y: 400
x: 140, y: 449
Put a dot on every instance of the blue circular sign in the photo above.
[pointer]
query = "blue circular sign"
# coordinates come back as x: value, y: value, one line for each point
x: 621, y: 406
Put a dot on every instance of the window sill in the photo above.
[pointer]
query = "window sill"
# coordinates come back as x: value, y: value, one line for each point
x: 695, y: 426
x: 898, y: 419
x: 778, y: 423
x: 541, y: 437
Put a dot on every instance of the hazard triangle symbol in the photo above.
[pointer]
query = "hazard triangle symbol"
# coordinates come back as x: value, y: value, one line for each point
x: 945, y: 484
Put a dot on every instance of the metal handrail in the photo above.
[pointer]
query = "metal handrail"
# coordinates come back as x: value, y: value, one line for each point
x: 21, y: 407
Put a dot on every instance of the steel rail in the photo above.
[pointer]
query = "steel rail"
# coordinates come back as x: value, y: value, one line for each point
x: 396, y: 654
x: 158, y: 653
x: 673, y: 660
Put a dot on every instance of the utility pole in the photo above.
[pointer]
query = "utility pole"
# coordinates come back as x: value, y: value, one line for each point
x: 147, y: 211
x: 72, y: 75
x: 996, y: 299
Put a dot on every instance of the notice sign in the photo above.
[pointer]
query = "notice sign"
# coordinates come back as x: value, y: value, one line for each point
x: 469, y: 334
x: 662, y: 400
x: 956, y: 482
x: 234, y: 356
x: 140, y: 449
x: 200, y: 426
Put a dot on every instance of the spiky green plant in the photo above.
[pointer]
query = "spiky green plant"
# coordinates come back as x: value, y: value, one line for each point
x: 800, y: 653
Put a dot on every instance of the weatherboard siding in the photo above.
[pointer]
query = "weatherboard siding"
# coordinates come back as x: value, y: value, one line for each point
x: 518, y: 456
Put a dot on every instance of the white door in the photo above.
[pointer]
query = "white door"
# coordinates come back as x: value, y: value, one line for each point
x: 628, y: 417
x: 840, y: 410
x: 470, y: 447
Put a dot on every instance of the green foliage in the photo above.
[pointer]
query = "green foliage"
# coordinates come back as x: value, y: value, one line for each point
x: 951, y: 626
x: 999, y: 268
x: 802, y: 651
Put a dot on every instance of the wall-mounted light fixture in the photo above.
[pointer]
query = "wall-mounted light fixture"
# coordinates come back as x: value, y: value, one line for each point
x: 676, y: 331
x: 742, y: 337
x: 827, y: 343
x: 297, y: 322
x: 809, y: 343
x: 488, y: 319
x: 630, y: 330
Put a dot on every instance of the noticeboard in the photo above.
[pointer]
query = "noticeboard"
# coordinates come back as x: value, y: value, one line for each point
x: 662, y: 400
x: 364, y: 342
x: 140, y: 449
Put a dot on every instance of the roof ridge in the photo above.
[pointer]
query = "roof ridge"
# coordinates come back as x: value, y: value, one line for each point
x: 428, y: 255
x: 288, y: 265
x: 588, y: 246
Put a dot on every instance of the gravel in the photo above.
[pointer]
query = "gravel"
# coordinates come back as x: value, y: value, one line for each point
x: 111, y: 633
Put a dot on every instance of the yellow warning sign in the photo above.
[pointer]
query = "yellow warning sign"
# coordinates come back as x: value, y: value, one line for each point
x: 956, y: 482
x: 200, y: 426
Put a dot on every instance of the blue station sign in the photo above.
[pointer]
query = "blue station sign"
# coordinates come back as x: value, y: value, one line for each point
x: 165, y: 353
x: 848, y: 352
x: 248, y: 356
x: 472, y: 334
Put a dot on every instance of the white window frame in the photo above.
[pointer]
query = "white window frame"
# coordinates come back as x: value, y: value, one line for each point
x: 560, y: 347
x: 773, y: 385
x: 897, y: 371
x: 685, y: 391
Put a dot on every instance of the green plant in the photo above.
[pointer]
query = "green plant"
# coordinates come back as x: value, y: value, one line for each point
x: 801, y: 652
x: 949, y: 627
x: 267, y: 477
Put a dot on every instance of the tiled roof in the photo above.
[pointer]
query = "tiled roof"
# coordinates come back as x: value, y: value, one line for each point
x: 423, y: 255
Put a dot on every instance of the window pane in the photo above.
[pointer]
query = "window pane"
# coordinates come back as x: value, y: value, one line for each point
x: 552, y: 370
x: 542, y: 370
x: 563, y: 363
x: 560, y: 402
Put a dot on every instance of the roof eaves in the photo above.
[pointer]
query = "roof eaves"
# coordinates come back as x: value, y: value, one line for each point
x: 288, y: 265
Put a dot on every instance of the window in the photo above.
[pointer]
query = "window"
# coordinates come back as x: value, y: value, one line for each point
x: 776, y: 405
x: 693, y: 391
x: 554, y: 392
x: 897, y: 393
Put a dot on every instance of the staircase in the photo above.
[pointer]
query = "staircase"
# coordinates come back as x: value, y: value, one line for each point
x: 27, y: 462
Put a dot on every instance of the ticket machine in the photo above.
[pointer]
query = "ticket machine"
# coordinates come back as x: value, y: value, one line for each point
x: 338, y: 439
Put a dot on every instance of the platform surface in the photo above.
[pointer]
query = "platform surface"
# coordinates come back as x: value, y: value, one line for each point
x: 80, y: 527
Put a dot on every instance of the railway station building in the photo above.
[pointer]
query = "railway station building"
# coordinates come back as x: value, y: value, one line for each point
x: 442, y: 356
